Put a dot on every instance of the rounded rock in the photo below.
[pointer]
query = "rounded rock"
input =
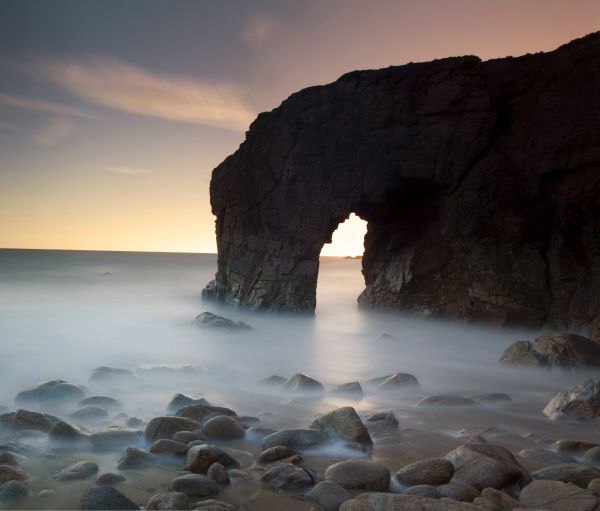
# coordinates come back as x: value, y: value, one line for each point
x: 432, y: 471
x: 105, y: 498
x: 223, y: 427
x: 194, y: 485
x: 218, y: 473
x: 423, y: 490
x: 359, y: 475
x: 329, y: 495
x: 172, y: 500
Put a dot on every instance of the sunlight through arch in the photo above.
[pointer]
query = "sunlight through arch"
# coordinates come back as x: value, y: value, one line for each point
x: 348, y: 239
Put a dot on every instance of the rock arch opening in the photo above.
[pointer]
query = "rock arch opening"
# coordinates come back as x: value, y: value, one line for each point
x: 348, y: 239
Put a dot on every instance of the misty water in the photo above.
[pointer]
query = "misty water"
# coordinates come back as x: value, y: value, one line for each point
x: 62, y: 314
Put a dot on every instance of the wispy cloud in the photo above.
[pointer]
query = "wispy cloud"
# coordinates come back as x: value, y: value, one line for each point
x: 5, y: 126
x: 258, y: 29
x: 126, y: 171
x: 125, y: 87
x: 44, y: 106
x: 52, y: 132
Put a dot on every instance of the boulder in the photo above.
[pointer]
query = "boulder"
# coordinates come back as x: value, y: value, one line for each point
x: 172, y: 500
x: 135, y: 458
x: 397, y: 381
x: 63, y: 432
x: 77, y: 470
x: 110, y: 479
x: 544, y: 456
x: 554, y: 350
x: 557, y: 496
x: 299, y: 439
x: 12, y: 491
x: 115, y: 438
x: 180, y: 401
x: 343, y: 423
x: 108, y: 403
x: 423, y: 490
x: 577, y: 473
x: 328, y: 495
x: 582, y: 401
x: 286, y: 476
x: 210, y: 320
x: 105, y: 498
x: 359, y: 475
x: 26, y: 419
x: 201, y: 413
x: 446, y: 400
x: 54, y: 391
x: 218, y: 473
x: 10, y: 473
x: 300, y: 382
x: 486, y: 465
x: 494, y: 499
x: 169, y: 447
x: 382, y: 422
x: 90, y: 413
x: 432, y: 471
x: 458, y: 491
x: 275, y: 453
x: 194, y: 485
x: 223, y: 427
x: 167, y: 426
x: 403, y: 502
x: 352, y: 388
x: 200, y: 457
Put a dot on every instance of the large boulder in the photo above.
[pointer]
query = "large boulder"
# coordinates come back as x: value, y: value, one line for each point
x: 403, y: 502
x: 582, y: 401
x: 486, y: 465
x: 300, y: 439
x: 577, y: 473
x: 554, y: 350
x: 54, y: 391
x: 343, y: 423
x: 105, y: 498
x: 200, y: 457
x: 167, y: 426
x: 558, y: 496
x: 432, y: 471
x: 26, y: 419
x: 359, y: 475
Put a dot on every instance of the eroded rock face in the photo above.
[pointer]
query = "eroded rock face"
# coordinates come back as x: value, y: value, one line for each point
x: 478, y: 181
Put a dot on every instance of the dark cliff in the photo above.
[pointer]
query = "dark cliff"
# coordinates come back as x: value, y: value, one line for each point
x: 480, y: 183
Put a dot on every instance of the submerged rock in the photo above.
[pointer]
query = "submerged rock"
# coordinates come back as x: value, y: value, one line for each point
x: 575, y: 446
x: 105, y: 498
x: 285, y: 476
x: 194, y: 485
x: 273, y: 381
x: 396, y: 381
x: 432, y: 471
x: 115, y: 438
x: 104, y: 373
x: 329, y: 495
x: 275, y: 453
x: 577, y: 473
x: 167, y: 426
x: 10, y: 473
x: 11, y: 458
x: 210, y: 320
x: 135, y: 458
x: 343, y: 423
x: 172, y: 500
x: 108, y: 403
x: 299, y: 439
x: 582, y: 401
x: 26, y: 419
x: 382, y: 422
x: 110, y: 479
x: 200, y: 457
x: 554, y: 350
x: 359, y: 475
x: 446, y: 400
x: 544, y: 456
x: 90, y: 413
x: 77, y: 470
x: 54, y: 391
x: 12, y: 491
x: 490, y: 397
x: 218, y: 473
x: 300, y: 382
x: 352, y: 388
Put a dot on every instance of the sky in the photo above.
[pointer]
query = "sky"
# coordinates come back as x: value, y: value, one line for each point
x: 113, y: 113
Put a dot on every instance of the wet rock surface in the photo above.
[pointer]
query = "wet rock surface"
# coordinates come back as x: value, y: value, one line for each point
x: 433, y: 471
x: 582, y: 401
x: 210, y: 320
x: 298, y: 439
x: 105, y: 497
x: 359, y: 475
x: 343, y: 423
